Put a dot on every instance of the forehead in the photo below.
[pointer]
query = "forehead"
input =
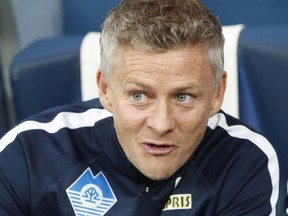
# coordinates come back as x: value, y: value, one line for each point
x: 186, y: 60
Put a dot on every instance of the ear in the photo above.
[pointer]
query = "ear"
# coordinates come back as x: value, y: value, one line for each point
x: 219, y: 94
x: 104, y: 91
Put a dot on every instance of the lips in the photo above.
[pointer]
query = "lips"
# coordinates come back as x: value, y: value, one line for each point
x: 158, y: 149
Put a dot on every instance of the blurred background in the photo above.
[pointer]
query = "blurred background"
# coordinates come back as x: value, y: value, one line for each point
x: 40, y: 43
x: 32, y: 35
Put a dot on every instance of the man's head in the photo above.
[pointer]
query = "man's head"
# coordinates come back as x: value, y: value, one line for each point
x: 160, y: 25
x: 162, y: 77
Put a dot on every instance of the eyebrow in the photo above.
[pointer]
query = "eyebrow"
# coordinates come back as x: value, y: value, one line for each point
x: 187, y: 85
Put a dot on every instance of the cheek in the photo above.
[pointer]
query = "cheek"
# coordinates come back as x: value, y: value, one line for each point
x: 193, y: 125
x: 127, y: 120
x: 127, y: 112
x: 194, y: 117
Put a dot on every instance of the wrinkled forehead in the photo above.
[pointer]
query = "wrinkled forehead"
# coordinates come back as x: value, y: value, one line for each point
x: 182, y: 61
x: 180, y: 55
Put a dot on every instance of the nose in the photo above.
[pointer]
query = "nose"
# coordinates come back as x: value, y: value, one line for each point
x: 161, y: 119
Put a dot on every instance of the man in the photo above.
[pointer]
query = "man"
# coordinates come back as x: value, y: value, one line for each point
x: 156, y: 143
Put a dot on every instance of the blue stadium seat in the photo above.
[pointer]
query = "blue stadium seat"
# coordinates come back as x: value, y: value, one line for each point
x: 263, y: 67
x: 250, y: 12
x: 46, y: 72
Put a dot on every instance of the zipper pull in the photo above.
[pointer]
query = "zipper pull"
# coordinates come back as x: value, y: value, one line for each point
x: 147, y: 190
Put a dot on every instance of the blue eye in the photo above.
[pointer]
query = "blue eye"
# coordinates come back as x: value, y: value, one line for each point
x: 137, y: 96
x: 182, y: 97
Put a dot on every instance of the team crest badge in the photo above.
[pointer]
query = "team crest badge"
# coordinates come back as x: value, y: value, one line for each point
x: 91, y: 195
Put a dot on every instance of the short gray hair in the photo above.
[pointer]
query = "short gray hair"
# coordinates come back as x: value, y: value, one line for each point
x: 161, y: 25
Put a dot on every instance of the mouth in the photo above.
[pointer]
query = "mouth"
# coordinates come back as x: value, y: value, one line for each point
x: 158, y: 149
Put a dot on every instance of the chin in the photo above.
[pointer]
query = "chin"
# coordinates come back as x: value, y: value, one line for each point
x: 157, y: 174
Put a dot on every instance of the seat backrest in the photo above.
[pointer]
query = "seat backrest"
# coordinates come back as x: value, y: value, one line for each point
x: 54, y: 59
x: 250, y: 12
x: 45, y: 74
x: 264, y: 60
x: 81, y: 17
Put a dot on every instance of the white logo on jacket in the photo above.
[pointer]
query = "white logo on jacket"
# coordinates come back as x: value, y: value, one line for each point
x: 91, y: 195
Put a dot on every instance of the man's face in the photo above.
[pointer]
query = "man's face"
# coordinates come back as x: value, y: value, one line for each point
x: 161, y: 103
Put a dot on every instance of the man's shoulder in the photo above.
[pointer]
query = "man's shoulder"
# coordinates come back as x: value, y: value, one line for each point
x: 76, y: 108
x: 230, y: 143
x: 49, y: 122
x: 235, y: 128
x: 232, y: 132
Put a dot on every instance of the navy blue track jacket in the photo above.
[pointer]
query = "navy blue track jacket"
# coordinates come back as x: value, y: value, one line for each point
x: 67, y: 161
